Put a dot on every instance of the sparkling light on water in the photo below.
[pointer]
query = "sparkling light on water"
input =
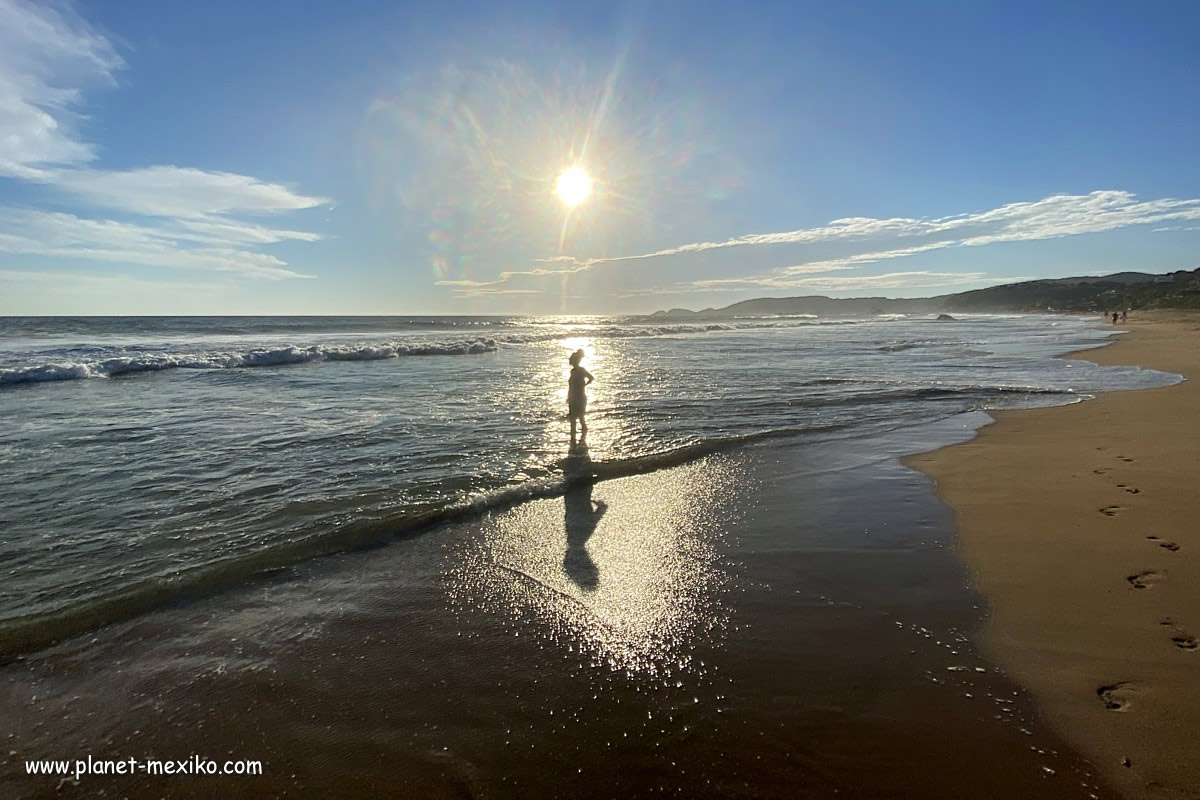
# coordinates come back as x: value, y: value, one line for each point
x: 623, y: 572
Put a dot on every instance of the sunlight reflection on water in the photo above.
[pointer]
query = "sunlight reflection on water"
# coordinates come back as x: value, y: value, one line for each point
x: 624, y: 571
x: 613, y: 370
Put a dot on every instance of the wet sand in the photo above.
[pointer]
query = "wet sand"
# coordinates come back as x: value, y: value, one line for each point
x: 785, y: 621
x: 1080, y: 526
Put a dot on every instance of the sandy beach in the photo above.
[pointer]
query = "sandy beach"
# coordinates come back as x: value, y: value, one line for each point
x: 1079, y: 526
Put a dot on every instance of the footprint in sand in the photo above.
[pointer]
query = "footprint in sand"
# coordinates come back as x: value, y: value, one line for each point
x: 1117, y: 696
x: 1111, y: 511
x: 1179, y: 637
x: 1185, y: 641
x: 1102, y: 470
x: 1129, y: 489
x: 1174, y: 548
x: 1125, y: 459
x: 1144, y: 580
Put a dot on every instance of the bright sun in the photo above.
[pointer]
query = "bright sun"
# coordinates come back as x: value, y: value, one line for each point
x: 573, y: 187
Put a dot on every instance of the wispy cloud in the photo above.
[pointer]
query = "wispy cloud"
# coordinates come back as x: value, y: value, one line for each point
x: 169, y: 191
x: 49, y: 57
x: 66, y: 236
x: 1052, y: 217
x: 873, y: 240
x: 851, y: 261
x: 217, y: 229
x: 484, y: 292
x: 919, y: 279
x: 890, y: 280
x: 504, y: 276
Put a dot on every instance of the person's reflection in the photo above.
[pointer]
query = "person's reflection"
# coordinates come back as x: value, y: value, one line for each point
x: 581, y: 518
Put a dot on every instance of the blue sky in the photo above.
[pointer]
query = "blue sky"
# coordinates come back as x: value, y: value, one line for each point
x: 376, y: 157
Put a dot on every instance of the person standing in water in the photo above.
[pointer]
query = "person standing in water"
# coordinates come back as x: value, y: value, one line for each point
x: 577, y: 394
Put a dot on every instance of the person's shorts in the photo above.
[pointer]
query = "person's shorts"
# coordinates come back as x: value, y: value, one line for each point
x: 576, y: 408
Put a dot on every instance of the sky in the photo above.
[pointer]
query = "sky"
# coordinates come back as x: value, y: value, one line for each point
x: 294, y: 157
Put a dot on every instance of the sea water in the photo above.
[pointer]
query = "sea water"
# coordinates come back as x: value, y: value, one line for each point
x: 146, y: 458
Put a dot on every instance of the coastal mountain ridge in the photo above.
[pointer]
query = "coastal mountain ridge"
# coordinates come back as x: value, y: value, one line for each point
x: 1119, y: 291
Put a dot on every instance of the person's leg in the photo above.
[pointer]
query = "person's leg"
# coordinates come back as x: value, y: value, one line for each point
x: 582, y: 427
x: 573, y: 427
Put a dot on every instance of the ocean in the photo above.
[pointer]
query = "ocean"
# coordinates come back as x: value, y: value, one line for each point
x: 147, y: 459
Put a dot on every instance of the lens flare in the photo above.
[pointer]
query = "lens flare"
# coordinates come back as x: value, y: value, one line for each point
x: 573, y: 187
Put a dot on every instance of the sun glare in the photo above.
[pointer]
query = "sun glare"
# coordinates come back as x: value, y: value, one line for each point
x: 573, y: 187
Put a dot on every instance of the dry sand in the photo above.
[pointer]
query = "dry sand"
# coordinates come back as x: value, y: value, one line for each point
x: 1081, y: 526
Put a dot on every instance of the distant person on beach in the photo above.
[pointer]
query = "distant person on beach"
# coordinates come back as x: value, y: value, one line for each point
x: 1124, y: 316
x: 577, y: 394
x: 1114, y: 318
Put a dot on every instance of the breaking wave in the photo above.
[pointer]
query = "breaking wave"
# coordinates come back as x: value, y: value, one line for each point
x: 80, y: 368
x: 259, y: 357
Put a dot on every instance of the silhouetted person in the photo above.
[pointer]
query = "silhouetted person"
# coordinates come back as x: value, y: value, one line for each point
x: 1124, y: 316
x: 577, y: 394
x: 1114, y: 318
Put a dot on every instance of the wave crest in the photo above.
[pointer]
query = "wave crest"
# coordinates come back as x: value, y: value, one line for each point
x: 258, y: 357
x: 139, y: 362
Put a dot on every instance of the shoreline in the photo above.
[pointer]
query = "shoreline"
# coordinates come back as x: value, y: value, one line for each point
x: 1077, y: 524
x: 762, y: 622
x: 779, y: 622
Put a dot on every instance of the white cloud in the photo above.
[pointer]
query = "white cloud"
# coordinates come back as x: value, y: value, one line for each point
x: 919, y: 279
x: 48, y: 57
x: 467, y: 283
x: 218, y: 229
x: 1051, y: 217
x: 1066, y: 215
x: 471, y: 292
x: 169, y: 191
x: 504, y: 276
x: 890, y: 280
x: 849, y: 262
x: 66, y: 236
x: 898, y: 237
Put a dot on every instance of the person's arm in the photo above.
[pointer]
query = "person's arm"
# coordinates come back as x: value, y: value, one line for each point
x: 589, y: 376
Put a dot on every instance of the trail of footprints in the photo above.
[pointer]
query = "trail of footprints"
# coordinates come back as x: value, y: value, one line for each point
x: 1113, y: 510
x: 1119, y: 696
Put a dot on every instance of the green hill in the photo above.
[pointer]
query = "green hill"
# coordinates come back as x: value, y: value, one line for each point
x: 1122, y: 290
x: 1108, y: 293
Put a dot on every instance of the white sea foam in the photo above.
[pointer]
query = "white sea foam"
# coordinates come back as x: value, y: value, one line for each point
x: 78, y: 368
x: 259, y: 357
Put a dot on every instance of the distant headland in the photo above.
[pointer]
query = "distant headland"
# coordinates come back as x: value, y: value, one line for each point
x: 1119, y: 291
